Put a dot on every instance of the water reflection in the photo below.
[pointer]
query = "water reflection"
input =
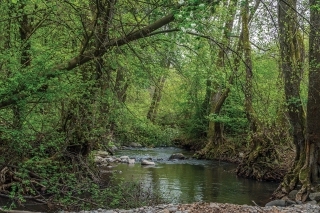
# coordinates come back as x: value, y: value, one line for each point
x: 192, y: 180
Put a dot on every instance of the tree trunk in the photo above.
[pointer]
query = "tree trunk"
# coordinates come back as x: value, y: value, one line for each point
x: 259, y: 162
x: 306, y: 167
x: 292, y: 59
x: 79, y: 121
x: 248, y: 67
x: 121, y: 86
x: 214, y: 101
x: 156, y: 97
x: 215, y: 131
x: 311, y: 168
x: 25, y: 30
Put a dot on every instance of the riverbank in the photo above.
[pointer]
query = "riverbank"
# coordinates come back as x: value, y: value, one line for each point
x: 202, y: 208
x: 212, y: 208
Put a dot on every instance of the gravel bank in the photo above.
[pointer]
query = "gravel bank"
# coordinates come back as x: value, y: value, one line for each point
x: 211, y: 208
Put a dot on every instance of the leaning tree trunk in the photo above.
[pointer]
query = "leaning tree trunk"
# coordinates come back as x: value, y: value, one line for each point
x: 292, y: 59
x: 215, y: 93
x: 214, y: 132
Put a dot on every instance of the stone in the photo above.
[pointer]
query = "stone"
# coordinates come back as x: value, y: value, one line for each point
x: 146, y: 162
x: 178, y: 156
x: 214, y: 205
x: 124, y: 159
x: 292, y: 194
x: 315, y: 196
x: 102, y: 154
x: 98, y: 159
x: 133, y: 144
x: 131, y: 161
x: 281, y: 203
x: 164, y: 211
x: 313, y: 202
x: 290, y: 202
x: 110, y: 160
x: 172, y: 209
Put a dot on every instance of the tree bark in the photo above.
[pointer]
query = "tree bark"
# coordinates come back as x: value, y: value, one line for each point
x: 156, y: 98
x: 292, y: 59
x: 313, y: 107
x: 214, y: 132
x: 25, y: 30
x: 215, y: 100
x: 248, y: 68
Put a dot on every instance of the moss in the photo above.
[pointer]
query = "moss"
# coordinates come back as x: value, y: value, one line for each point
x: 304, y: 174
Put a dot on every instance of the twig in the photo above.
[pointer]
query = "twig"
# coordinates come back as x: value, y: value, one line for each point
x: 257, y: 205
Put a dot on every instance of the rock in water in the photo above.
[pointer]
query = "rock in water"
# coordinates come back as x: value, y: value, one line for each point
x: 131, y: 161
x: 146, y: 162
x: 124, y: 159
x: 133, y: 144
x: 178, y: 156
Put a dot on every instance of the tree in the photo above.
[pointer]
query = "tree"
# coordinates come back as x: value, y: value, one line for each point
x: 305, y: 169
x: 292, y: 60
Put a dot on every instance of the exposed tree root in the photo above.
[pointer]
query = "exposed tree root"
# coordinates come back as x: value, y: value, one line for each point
x: 262, y: 162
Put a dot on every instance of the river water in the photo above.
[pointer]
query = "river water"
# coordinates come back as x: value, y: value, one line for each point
x: 192, y: 180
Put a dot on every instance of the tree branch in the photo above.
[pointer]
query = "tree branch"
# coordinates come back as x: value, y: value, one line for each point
x: 90, y: 55
x: 85, y: 57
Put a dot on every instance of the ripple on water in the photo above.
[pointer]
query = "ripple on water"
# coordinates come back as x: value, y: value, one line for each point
x: 191, y: 180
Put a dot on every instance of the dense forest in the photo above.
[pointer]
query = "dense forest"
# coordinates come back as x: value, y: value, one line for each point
x: 222, y: 78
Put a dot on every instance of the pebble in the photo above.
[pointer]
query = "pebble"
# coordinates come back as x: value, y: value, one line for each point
x: 172, y: 208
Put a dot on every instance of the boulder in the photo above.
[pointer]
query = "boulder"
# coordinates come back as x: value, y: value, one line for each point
x: 313, y: 202
x: 110, y: 160
x: 177, y: 156
x: 292, y: 194
x: 98, y: 159
x: 281, y: 203
x: 146, y: 162
x: 315, y: 196
x: 131, y: 161
x: 102, y: 154
x: 124, y: 159
x: 133, y: 144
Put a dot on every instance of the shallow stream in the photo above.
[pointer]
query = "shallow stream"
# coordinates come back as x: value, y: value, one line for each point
x: 191, y: 180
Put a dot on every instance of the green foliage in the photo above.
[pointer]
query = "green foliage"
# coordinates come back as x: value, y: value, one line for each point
x: 50, y: 114
x: 131, y: 128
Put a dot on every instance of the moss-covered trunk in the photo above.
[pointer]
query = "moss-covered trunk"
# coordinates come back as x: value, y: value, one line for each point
x: 252, y: 163
x: 156, y: 98
x: 292, y: 59
x: 217, y: 94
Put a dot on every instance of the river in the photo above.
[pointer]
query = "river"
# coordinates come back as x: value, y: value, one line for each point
x: 191, y: 180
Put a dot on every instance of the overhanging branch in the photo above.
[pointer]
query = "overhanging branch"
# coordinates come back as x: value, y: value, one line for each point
x: 88, y: 56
